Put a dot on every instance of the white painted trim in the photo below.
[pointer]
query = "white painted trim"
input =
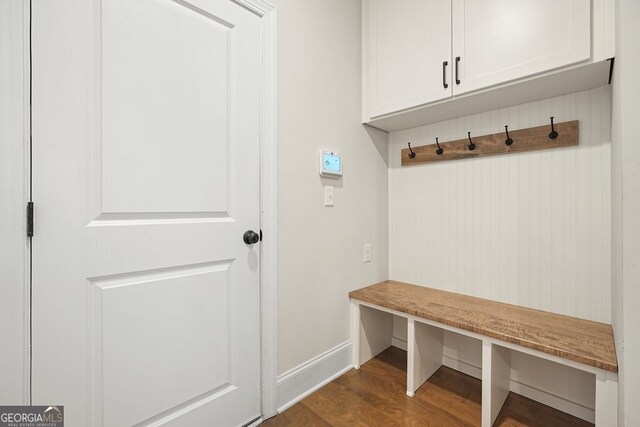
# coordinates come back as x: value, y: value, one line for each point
x: 14, y: 194
x: 268, y: 206
x: 255, y: 423
x: 424, y: 356
x: 606, y: 412
x: 355, y: 333
x: 461, y: 366
x: 299, y: 382
x: 401, y: 344
x: 259, y: 7
x: 364, y: 61
x: 496, y: 375
x: 26, y: 173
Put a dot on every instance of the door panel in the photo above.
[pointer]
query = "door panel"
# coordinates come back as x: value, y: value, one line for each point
x: 167, y: 83
x: 146, y: 352
x: 407, y: 43
x: 501, y: 40
x: 146, y: 162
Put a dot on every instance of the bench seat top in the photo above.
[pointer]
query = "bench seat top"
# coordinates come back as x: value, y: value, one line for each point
x: 572, y: 338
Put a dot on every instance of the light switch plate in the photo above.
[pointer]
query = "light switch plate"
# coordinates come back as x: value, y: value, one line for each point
x: 367, y: 252
x: 328, y: 195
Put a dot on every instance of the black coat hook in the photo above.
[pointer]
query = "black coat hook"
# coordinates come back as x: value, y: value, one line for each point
x: 553, y: 134
x: 507, y: 141
x: 439, y: 151
x: 411, y: 153
x: 471, y: 145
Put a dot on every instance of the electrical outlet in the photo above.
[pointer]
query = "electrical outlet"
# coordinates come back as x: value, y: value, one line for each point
x: 367, y: 252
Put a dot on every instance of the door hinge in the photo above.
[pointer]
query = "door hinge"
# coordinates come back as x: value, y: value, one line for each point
x: 261, y: 235
x: 29, y: 219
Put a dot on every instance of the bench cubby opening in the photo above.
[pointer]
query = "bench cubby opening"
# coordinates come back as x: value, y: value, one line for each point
x: 565, y: 387
x: 373, y: 331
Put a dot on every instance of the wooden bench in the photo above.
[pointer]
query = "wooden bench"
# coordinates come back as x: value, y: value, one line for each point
x: 578, y: 343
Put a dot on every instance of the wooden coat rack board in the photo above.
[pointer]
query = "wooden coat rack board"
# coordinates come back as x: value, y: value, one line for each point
x: 530, y: 139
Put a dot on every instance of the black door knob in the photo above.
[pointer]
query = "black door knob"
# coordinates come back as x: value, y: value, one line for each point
x: 250, y: 237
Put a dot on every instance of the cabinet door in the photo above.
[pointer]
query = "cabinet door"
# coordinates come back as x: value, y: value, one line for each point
x: 502, y: 40
x: 407, y: 43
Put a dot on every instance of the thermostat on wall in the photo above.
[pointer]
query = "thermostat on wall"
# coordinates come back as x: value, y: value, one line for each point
x: 330, y: 164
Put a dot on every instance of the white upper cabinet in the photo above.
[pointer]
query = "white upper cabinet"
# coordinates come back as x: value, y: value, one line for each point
x: 429, y: 60
x: 496, y: 41
x: 408, y: 55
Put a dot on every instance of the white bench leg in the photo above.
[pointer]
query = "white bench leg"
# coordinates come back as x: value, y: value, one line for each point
x: 496, y: 373
x: 372, y: 331
x: 424, y: 354
x: 355, y: 334
x: 606, y: 399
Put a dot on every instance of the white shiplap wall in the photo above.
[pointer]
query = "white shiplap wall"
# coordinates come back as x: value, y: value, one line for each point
x: 532, y: 229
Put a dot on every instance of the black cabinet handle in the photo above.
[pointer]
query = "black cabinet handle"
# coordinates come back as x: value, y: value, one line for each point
x: 444, y: 74
x: 457, y: 62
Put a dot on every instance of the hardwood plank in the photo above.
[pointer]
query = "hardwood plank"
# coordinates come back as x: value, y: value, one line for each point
x: 280, y: 420
x: 395, y: 357
x: 298, y: 415
x: 580, y: 340
x: 374, y: 395
x: 529, y: 139
x: 463, y: 385
x: 453, y: 398
x: 387, y: 392
x: 518, y: 411
x: 339, y: 407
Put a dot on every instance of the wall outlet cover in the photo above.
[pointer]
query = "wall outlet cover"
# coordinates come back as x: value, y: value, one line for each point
x: 367, y: 252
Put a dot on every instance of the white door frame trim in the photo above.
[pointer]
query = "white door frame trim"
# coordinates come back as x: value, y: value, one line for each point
x: 268, y: 206
x: 14, y: 162
x: 18, y: 167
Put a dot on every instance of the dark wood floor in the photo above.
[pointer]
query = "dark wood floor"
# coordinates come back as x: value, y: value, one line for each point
x: 375, y: 395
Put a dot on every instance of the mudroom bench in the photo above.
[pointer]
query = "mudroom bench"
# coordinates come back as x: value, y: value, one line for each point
x: 502, y: 328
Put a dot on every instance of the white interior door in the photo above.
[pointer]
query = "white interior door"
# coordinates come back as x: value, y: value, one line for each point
x: 145, y: 177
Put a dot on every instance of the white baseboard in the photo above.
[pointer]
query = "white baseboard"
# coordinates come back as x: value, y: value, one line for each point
x: 460, y: 366
x: 298, y: 383
x: 253, y: 423
x: 557, y: 402
x: 397, y: 342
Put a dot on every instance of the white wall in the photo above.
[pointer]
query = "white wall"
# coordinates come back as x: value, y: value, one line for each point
x: 626, y: 209
x: 531, y: 229
x: 321, y: 248
x: 13, y: 286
